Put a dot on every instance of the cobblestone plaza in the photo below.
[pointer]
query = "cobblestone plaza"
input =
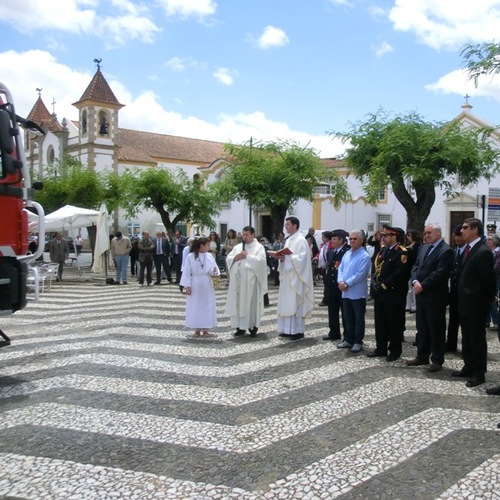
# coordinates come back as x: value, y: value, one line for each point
x: 104, y: 394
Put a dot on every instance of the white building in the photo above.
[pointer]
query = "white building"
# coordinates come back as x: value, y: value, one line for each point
x: 97, y: 140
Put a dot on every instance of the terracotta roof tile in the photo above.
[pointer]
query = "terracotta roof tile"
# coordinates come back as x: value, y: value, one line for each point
x: 40, y: 114
x: 99, y: 90
x: 150, y: 147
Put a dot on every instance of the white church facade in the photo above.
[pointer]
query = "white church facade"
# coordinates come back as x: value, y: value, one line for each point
x: 96, y: 139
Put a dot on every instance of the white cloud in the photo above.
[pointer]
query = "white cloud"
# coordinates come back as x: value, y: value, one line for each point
x: 272, y: 37
x: 383, y: 48
x: 188, y: 8
x: 458, y: 82
x: 342, y: 2
x: 447, y: 24
x: 180, y: 64
x: 81, y: 17
x: 225, y: 75
x: 36, y: 68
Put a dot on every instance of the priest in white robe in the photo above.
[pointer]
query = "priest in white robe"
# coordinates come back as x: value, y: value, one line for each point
x: 296, y: 293
x: 247, y: 271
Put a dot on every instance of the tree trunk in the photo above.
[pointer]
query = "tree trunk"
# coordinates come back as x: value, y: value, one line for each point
x: 416, y: 211
x: 278, y: 214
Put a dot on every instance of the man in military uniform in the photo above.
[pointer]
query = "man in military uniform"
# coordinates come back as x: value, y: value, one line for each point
x: 389, y: 284
x: 336, y: 251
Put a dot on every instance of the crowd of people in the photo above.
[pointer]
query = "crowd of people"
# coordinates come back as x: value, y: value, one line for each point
x: 405, y: 272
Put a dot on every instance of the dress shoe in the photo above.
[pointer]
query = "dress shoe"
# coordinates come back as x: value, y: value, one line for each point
x: 475, y: 381
x: 392, y: 357
x: 285, y: 335
x: 416, y: 362
x: 450, y: 349
x: 434, y: 368
x: 344, y: 345
x: 239, y: 332
x: 357, y: 348
x: 461, y: 373
x: 296, y: 336
x: 494, y: 391
x: 253, y: 331
x: 376, y: 354
x: 322, y: 304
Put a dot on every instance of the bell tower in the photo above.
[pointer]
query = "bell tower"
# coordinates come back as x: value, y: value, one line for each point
x: 98, y: 123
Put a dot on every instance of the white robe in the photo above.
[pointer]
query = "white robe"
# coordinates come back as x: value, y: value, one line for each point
x: 296, y: 294
x: 247, y: 285
x: 201, y: 313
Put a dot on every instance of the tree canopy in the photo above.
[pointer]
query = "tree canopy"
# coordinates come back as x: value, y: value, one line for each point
x: 69, y: 182
x: 481, y: 59
x: 173, y: 194
x: 414, y: 157
x: 275, y: 176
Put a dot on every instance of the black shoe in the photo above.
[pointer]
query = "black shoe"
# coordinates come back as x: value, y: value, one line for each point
x: 475, y: 381
x: 494, y: 391
x: 393, y: 357
x: 156, y: 283
x: 285, y: 335
x: 296, y: 336
x: 253, y: 331
x: 414, y: 344
x: 375, y: 354
x: 322, y: 304
x: 450, y: 349
x: 327, y: 337
x: 462, y: 374
x: 239, y: 332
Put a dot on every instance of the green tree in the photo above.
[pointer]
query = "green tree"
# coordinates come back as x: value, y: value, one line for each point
x: 414, y: 157
x: 481, y: 59
x: 71, y: 183
x: 175, y: 196
x: 275, y: 176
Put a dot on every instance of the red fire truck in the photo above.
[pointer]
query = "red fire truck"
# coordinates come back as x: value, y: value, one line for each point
x: 16, y: 195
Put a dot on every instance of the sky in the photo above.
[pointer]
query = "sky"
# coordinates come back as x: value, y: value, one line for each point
x: 231, y: 70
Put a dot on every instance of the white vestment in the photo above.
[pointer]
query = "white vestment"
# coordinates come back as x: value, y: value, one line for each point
x: 296, y: 294
x: 247, y: 285
x: 200, y: 305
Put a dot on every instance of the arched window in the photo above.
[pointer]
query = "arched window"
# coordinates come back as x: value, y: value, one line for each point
x: 84, y: 122
x: 50, y: 155
x: 103, y: 125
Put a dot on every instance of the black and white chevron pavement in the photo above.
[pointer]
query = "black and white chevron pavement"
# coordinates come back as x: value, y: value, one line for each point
x: 103, y: 394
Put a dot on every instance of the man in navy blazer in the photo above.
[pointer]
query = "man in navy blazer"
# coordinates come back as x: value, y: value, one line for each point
x: 476, y: 292
x: 162, y: 257
x: 429, y: 278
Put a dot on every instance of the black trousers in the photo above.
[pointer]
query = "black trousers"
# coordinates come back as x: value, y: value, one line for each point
x: 431, y: 330
x: 334, y: 302
x: 389, y: 324
x: 474, y: 346
x: 148, y: 267
x: 162, y: 261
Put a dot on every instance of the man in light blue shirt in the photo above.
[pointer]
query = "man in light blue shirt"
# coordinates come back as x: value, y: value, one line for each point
x: 352, y: 278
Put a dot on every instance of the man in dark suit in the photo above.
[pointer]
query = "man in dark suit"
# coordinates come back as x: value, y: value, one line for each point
x: 429, y: 279
x: 178, y: 244
x: 476, y: 292
x: 334, y: 256
x: 146, y: 251
x: 388, y: 287
x: 162, y: 257
x: 453, y: 319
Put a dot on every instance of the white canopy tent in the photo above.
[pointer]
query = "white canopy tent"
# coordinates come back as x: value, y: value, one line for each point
x: 69, y: 218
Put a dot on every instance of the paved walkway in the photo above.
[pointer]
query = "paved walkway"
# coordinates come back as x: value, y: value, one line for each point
x: 103, y: 394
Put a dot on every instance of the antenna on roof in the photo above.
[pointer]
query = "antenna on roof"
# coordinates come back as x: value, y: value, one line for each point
x: 98, y: 62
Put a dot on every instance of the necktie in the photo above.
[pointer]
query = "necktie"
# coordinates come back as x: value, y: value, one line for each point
x: 466, y: 251
x: 429, y: 250
x: 159, y: 246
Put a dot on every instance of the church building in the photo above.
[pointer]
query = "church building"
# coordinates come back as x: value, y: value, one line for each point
x: 96, y: 139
